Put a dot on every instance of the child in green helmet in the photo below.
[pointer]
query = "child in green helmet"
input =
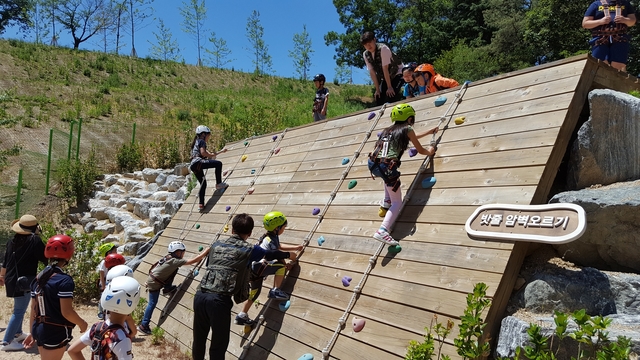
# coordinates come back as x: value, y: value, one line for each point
x: 275, y: 223
x: 384, y: 162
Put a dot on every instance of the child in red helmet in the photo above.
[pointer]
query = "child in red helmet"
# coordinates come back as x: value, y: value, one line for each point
x: 52, y: 316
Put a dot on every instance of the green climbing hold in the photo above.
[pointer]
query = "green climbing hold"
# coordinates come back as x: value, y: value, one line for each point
x: 200, y: 248
x: 246, y: 143
x: 197, y: 226
x: 353, y: 184
x: 394, y: 249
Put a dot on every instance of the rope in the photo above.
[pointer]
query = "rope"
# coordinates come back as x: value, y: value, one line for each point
x: 372, y: 260
x: 307, y: 238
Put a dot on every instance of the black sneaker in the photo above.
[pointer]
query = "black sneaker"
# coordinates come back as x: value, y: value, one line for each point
x: 170, y: 290
x: 144, y: 329
x: 244, y: 320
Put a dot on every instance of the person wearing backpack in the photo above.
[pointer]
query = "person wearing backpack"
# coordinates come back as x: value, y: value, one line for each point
x: 52, y: 315
x: 384, y: 162
x: 21, y: 258
x: 109, y: 339
x: 385, y: 69
x: 434, y: 81
x: 201, y: 159
x: 161, y: 277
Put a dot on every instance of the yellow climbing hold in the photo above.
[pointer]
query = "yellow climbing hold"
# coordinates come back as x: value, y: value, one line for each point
x: 459, y: 120
x: 226, y: 228
x: 244, y: 157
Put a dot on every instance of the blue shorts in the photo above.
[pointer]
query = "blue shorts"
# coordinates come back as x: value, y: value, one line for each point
x: 51, y: 336
x: 381, y: 170
x: 612, y: 52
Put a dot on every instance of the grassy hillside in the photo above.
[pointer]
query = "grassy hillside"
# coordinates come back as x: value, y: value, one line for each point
x: 43, y: 88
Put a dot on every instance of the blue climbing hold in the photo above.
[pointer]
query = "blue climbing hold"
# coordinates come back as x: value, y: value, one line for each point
x: 284, y: 306
x: 195, y: 272
x: 352, y: 184
x: 440, y: 101
x: 253, y: 171
x: 428, y: 182
x: 320, y: 240
x: 467, y: 82
x: 274, y: 137
x: 227, y: 208
x: 306, y: 357
x: 345, y: 161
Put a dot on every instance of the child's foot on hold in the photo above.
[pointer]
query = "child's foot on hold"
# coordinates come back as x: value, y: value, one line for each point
x: 243, y: 319
x: 384, y: 207
x: 169, y: 290
x: 278, y: 294
x: 222, y: 186
x: 144, y: 329
x: 383, y: 236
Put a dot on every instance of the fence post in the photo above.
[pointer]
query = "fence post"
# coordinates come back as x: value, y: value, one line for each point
x: 46, y: 191
x: 79, y: 132
x: 133, y: 137
x: 18, y: 196
x: 73, y: 122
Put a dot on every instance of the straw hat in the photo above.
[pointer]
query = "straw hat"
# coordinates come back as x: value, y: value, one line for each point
x: 27, y: 225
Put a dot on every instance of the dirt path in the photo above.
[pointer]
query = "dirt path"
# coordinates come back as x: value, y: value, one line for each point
x: 142, y: 346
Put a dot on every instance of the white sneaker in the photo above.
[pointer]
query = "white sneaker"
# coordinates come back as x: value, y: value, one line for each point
x: 384, y: 237
x: 20, y: 338
x: 12, y: 346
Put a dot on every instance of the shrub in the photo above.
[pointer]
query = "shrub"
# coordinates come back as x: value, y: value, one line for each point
x: 138, y: 313
x: 157, y: 335
x: 76, y: 177
x: 82, y: 267
x: 129, y: 157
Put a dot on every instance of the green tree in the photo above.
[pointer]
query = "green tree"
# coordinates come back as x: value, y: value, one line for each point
x: 166, y: 47
x: 194, y: 15
x: 139, y: 12
x: 508, y: 17
x: 39, y: 24
x: 83, y: 18
x: 14, y: 12
x: 422, y: 32
x: 343, y: 74
x: 220, y: 53
x: 259, y: 50
x: 301, y: 53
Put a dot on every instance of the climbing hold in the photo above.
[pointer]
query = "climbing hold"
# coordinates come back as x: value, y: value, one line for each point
x: 358, y: 324
x: 246, y: 143
x: 440, y: 101
x: 195, y: 272
x: 274, y: 137
x: 346, y: 281
x: 227, y: 208
x: 394, y: 249
x: 379, y: 133
x: 200, y: 248
x: 371, y: 115
x: 467, y: 82
x: 459, y: 120
x: 197, y: 226
x: 244, y: 157
x: 226, y: 228
x: 251, y: 190
x: 345, y: 161
x: 284, y: 306
x: 247, y: 329
x: 413, y: 152
x: 253, y: 171
x: 316, y: 211
x: 320, y: 240
x: 428, y: 182
x: 306, y: 357
x: 353, y: 184
x: 277, y: 150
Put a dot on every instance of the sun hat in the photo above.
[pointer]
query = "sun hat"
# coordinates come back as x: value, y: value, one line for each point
x: 27, y: 225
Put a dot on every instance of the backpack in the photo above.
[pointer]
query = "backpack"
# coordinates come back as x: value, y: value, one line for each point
x: 101, y: 340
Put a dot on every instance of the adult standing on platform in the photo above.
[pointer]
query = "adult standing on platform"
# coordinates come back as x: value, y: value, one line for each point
x: 385, y: 69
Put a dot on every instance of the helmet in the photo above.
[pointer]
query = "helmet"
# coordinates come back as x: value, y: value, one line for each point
x: 105, y: 248
x: 202, y: 129
x: 426, y: 68
x: 402, y: 112
x: 274, y: 220
x: 319, y: 77
x: 113, y: 259
x: 59, y: 247
x: 121, y: 295
x: 118, y: 270
x: 175, y: 246
x: 412, y: 65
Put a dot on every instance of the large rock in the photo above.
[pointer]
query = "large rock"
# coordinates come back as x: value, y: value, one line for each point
x: 181, y: 169
x: 612, y: 239
x: 150, y: 175
x: 607, y: 148
x: 174, y: 182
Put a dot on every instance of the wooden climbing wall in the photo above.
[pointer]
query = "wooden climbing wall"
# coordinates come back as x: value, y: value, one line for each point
x: 517, y: 129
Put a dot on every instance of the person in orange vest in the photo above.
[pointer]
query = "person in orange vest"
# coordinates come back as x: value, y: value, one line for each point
x: 433, y: 81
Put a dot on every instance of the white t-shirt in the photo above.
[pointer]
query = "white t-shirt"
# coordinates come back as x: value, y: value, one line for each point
x: 385, y: 57
x: 102, y: 267
x: 121, y: 348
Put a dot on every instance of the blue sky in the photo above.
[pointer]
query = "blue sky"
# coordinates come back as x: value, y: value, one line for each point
x: 281, y: 19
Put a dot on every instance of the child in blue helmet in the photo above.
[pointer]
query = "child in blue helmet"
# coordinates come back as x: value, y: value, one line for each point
x: 201, y: 159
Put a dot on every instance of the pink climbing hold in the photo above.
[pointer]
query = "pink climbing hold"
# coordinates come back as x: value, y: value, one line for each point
x: 358, y: 324
x: 316, y: 211
x: 225, y: 173
x: 346, y: 281
x: 251, y: 190
x: 277, y: 150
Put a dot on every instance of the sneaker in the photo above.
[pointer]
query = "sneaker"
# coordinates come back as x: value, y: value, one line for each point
x: 383, y: 236
x: 12, y: 346
x: 201, y: 207
x: 222, y: 186
x: 144, y: 329
x: 20, y: 338
x: 278, y: 294
x: 244, y: 320
x: 101, y: 316
x: 169, y: 290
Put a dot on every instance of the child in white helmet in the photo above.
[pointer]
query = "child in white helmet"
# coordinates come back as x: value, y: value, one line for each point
x: 161, y: 276
x: 201, y: 159
x: 109, y: 339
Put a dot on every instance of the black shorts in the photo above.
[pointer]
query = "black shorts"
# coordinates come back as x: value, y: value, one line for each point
x: 51, y: 336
